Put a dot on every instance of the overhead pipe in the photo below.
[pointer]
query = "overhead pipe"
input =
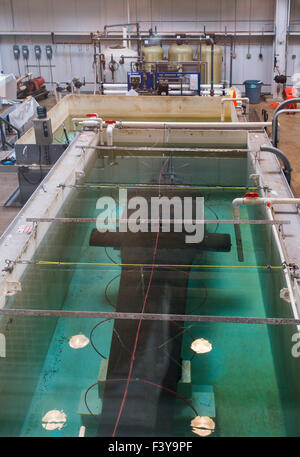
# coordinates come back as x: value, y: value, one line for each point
x: 287, y: 166
x: 193, y: 125
x: 125, y: 39
x: 145, y: 33
x: 171, y: 36
x: 137, y: 25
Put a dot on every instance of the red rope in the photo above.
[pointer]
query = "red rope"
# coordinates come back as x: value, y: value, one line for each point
x: 145, y: 381
x: 143, y: 310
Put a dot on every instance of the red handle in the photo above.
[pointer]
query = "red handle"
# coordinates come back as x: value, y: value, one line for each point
x: 251, y: 194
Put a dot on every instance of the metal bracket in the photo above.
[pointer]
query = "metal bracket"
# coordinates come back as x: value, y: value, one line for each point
x: 284, y: 294
x: 11, y: 288
x: 79, y: 175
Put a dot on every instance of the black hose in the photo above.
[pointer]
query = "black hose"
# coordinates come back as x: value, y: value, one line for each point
x: 287, y: 166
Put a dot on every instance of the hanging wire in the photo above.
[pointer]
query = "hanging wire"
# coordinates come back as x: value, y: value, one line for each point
x: 250, y: 15
x: 235, y: 19
x: 172, y: 392
x: 110, y: 258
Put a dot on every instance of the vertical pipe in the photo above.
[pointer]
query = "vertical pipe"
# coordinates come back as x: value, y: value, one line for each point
x: 231, y: 60
x: 139, y: 42
x: 100, y: 70
x: 128, y: 20
x: 212, y: 68
x: 239, y: 244
x: 124, y: 37
x: 95, y: 69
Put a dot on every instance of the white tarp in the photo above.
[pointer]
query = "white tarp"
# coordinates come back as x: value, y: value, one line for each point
x: 23, y: 113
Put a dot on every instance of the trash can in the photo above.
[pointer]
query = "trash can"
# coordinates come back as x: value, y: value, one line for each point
x: 253, y: 90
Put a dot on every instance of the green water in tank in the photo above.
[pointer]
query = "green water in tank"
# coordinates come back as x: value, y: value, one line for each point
x: 248, y: 382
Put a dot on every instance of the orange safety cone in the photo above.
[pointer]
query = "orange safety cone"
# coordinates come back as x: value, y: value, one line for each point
x: 234, y: 96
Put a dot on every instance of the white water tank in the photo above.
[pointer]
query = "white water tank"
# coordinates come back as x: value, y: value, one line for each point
x: 116, y: 67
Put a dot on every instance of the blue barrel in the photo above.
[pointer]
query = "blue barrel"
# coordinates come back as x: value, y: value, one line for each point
x: 253, y: 90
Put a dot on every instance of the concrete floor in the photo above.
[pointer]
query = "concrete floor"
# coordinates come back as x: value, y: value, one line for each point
x: 9, y: 181
x: 289, y: 137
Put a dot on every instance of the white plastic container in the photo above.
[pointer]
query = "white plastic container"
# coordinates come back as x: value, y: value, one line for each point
x: 115, y: 53
x: 8, y: 87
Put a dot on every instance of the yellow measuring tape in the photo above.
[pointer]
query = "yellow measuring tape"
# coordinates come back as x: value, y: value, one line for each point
x: 103, y: 264
x: 103, y: 186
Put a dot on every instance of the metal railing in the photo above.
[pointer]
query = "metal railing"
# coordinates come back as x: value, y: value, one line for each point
x: 279, y: 110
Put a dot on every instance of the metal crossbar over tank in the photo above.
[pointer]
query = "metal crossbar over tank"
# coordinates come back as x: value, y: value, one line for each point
x: 152, y: 317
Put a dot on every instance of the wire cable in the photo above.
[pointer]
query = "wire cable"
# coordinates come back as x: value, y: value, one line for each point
x: 172, y: 392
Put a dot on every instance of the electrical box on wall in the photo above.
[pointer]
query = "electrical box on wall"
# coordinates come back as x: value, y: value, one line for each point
x: 49, y: 52
x: 25, y: 51
x: 38, y: 52
x: 43, y: 131
x: 16, y: 51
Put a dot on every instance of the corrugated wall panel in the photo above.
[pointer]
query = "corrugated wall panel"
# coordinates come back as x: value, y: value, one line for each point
x: 88, y: 15
x: 91, y: 15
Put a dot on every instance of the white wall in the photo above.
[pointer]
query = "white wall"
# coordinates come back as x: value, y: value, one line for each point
x: 24, y: 22
x: 90, y: 15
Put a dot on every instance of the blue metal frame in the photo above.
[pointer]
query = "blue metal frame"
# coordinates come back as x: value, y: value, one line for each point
x: 149, y: 81
x: 152, y: 84
x: 178, y: 74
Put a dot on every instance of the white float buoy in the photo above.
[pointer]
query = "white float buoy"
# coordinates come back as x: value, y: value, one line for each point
x: 202, y: 425
x: 78, y: 341
x: 201, y: 346
x: 54, y: 419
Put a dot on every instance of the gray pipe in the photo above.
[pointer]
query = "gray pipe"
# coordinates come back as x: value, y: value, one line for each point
x: 275, y: 139
x: 279, y: 110
x: 231, y: 50
x: 287, y: 166
x: 212, y: 68
x: 212, y: 43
